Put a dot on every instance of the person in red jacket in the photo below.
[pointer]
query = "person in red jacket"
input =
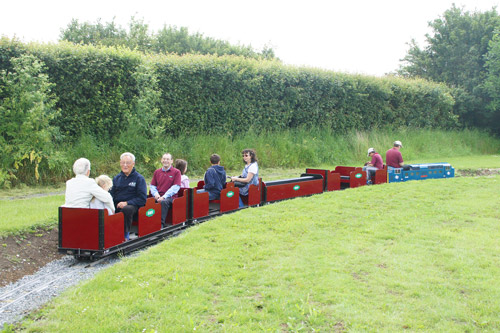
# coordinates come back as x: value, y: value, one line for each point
x: 165, y: 184
x: 393, y: 156
x: 375, y: 164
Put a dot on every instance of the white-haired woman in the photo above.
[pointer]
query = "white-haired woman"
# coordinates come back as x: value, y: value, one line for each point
x: 81, y: 189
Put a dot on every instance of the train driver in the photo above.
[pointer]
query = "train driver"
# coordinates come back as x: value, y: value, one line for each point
x: 393, y: 156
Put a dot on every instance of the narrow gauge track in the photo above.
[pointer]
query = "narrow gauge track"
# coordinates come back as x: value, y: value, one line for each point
x: 24, y: 290
x: 32, y: 291
x: 22, y: 297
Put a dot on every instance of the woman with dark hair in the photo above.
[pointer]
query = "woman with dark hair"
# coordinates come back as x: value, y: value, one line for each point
x: 182, y: 166
x: 250, y: 173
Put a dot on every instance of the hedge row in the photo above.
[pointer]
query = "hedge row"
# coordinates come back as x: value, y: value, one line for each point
x: 96, y: 90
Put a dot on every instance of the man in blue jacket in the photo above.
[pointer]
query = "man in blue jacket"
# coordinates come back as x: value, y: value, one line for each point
x: 215, y: 178
x: 129, y: 191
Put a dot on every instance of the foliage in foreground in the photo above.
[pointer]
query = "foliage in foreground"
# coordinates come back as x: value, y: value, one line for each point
x: 418, y: 255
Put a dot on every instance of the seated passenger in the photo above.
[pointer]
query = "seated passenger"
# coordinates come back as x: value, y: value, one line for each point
x: 376, y: 163
x: 129, y: 191
x: 182, y: 166
x: 105, y: 183
x: 165, y: 184
x: 81, y: 189
x: 250, y: 174
x: 215, y: 178
x: 393, y: 157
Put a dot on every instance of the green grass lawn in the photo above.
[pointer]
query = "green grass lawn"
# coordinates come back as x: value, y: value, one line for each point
x: 469, y: 162
x: 409, y: 256
x: 25, y: 214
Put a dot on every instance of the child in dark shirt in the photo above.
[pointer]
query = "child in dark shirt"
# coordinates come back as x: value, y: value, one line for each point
x: 215, y: 178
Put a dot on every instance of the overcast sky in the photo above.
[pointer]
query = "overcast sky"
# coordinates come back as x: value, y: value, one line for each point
x: 364, y: 36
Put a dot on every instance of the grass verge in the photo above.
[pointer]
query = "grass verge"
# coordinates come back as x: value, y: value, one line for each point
x: 27, y: 214
x: 416, y: 255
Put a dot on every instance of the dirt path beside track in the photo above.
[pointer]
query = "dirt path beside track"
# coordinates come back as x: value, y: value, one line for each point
x: 24, y: 254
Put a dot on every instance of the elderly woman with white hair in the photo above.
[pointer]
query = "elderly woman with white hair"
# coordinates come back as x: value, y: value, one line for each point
x: 81, y: 189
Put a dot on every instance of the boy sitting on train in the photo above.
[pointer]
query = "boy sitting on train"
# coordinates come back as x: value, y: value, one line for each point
x: 105, y: 183
x: 215, y: 178
x: 376, y: 163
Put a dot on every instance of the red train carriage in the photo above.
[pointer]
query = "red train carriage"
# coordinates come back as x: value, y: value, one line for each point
x: 92, y: 233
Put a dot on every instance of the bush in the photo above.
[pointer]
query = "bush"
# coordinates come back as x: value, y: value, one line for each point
x: 99, y: 91
x: 26, y: 110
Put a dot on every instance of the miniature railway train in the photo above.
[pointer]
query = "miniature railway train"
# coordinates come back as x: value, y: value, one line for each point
x: 92, y: 234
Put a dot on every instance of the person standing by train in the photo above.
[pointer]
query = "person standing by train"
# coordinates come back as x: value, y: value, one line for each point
x: 393, y: 157
x: 81, y: 189
x: 376, y: 163
x: 165, y: 184
x: 250, y: 174
x: 129, y: 191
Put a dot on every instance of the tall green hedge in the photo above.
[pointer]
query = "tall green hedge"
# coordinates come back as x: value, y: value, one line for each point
x: 96, y: 90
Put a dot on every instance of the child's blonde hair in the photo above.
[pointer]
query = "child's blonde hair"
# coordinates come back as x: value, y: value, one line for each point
x: 104, y: 180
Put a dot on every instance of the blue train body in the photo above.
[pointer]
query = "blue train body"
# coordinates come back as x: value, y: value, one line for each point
x: 421, y: 171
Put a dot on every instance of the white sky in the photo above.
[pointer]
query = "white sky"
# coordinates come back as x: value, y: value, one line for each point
x: 354, y: 36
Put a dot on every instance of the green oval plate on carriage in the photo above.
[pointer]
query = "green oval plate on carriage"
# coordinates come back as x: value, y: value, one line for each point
x: 150, y: 212
x: 229, y: 194
x: 296, y: 187
x: 358, y: 175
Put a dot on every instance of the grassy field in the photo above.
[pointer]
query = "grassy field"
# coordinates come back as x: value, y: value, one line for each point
x: 411, y: 256
x: 26, y: 214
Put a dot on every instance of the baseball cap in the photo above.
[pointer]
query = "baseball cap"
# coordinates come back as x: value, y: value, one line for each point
x: 371, y: 150
x: 398, y: 143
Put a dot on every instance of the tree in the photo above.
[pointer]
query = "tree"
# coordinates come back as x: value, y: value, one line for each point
x: 144, y: 122
x: 169, y: 39
x: 25, y: 115
x: 455, y: 55
x: 492, y: 82
x: 108, y: 34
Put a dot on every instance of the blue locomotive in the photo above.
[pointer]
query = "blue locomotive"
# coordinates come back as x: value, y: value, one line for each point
x: 420, y: 172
